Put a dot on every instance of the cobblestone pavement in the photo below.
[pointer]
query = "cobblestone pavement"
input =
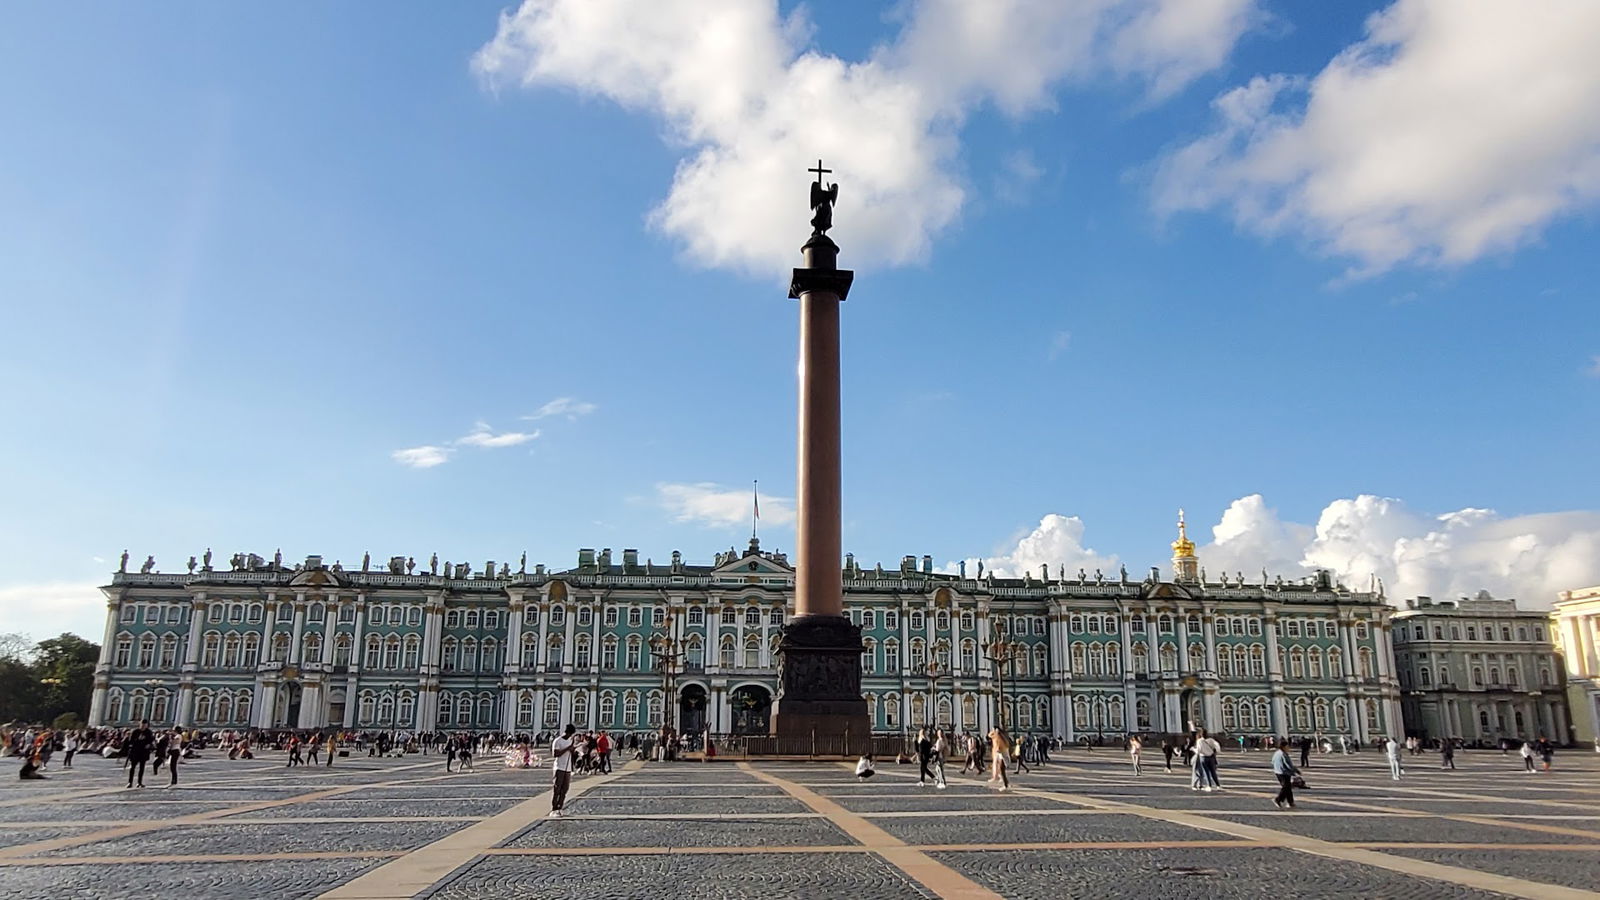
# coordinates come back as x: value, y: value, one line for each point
x: 1084, y: 827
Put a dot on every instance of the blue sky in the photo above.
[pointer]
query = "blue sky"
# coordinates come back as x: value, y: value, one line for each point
x: 1107, y: 265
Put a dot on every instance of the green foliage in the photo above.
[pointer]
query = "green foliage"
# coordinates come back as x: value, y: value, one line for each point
x: 47, y: 681
x: 67, y: 721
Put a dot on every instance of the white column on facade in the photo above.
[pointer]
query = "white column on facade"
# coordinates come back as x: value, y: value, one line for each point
x: 1280, y: 720
x: 1182, y: 621
x: 297, y: 631
x: 542, y: 652
x: 102, y: 669
x: 568, y: 654
x: 330, y: 622
x: 1586, y: 635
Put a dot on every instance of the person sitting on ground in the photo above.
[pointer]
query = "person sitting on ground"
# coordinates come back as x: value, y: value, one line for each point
x: 864, y: 768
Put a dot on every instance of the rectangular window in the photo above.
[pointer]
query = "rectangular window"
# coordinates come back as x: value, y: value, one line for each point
x: 636, y: 617
x: 213, y: 614
x: 891, y: 619
x: 775, y: 617
x: 610, y: 617
x: 347, y: 613
x: 868, y: 619
x: 658, y: 616
x: 285, y: 612
x: 585, y: 617
x: 608, y: 656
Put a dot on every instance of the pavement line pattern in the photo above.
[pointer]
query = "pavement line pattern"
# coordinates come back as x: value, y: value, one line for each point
x: 418, y: 870
x: 1473, y: 878
x: 913, y: 861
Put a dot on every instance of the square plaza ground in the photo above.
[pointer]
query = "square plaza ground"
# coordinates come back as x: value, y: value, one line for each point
x: 1083, y: 826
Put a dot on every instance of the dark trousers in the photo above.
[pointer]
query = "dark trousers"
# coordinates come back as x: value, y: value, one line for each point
x: 1527, y: 763
x: 66, y: 761
x: 172, y: 766
x: 1285, y: 789
x: 1305, y: 756
x: 136, y: 765
x: 558, y: 789
x: 923, y: 774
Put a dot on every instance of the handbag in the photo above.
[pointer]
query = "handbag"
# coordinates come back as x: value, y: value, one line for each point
x: 1297, y: 781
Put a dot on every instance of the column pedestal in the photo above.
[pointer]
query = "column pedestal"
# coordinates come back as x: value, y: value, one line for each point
x: 819, y: 703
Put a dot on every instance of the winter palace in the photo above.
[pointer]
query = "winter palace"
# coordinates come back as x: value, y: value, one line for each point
x: 621, y: 644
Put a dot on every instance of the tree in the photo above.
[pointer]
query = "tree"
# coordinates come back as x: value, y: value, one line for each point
x: 39, y: 682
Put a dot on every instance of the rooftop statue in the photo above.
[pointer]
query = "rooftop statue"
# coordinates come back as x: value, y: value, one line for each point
x: 123, y: 566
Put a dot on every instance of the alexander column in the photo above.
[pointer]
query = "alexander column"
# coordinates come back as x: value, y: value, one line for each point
x: 819, y: 670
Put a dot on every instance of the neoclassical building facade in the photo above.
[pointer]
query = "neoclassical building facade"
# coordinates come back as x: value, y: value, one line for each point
x: 624, y: 645
x: 1576, y: 618
x: 1479, y: 669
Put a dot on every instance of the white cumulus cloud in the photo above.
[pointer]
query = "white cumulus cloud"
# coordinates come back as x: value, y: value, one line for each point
x: 424, y: 457
x: 707, y: 503
x: 1529, y: 557
x: 1056, y: 542
x: 1450, y: 131
x: 752, y: 104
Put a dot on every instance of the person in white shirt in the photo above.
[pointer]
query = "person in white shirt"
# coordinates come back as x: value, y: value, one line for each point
x: 561, y: 769
x: 1392, y: 751
x: 1134, y: 746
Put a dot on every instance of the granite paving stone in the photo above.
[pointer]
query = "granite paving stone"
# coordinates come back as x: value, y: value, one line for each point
x: 278, y: 879
x: 268, y: 838
x: 1031, y: 829
x: 1403, y: 828
x: 1568, y: 868
x: 801, y: 831
x: 805, y: 876
x: 1180, y: 874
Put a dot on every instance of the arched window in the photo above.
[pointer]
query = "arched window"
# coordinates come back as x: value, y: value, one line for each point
x: 1080, y: 713
x: 1141, y: 657
x: 654, y: 708
x: 969, y: 710
x: 941, y: 655
x: 209, y: 649
x: 608, y: 652
x: 147, y: 652
x: 969, y: 656
x: 752, y: 652
x: 697, y: 615
x: 1097, y: 660
x: 1335, y: 662
x: 1365, y: 657
x: 891, y: 711
x: 313, y: 647
x: 1042, y: 717
x: 891, y: 657
x: 316, y: 613
x: 727, y: 652
x: 869, y: 656
x: 386, y: 708
x: 1302, y: 714
x: 489, y: 661
x: 1164, y: 624
x: 580, y: 708
x: 553, y: 655
x: 581, y: 653
x: 280, y: 646
x: 1230, y: 718
x: 635, y: 652
x: 630, y: 709
x: 1041, y: 660
x: 1341, y: 717
x: 608, y: 709
x: 1075, y: 623
x: 552, y: 708
x: 224, y: 707
x: 919, y: 657
x: 1373, y: 725
x: 525, y: 709
x: 169, y: 651
x: 1258, y: 661
x: 406, y: 710
x: 1319, y: 713
x: 1116, y: 719
x: 413, y: 652
x: 1224, y: 661
x: 391, y: 652
x: 202, y: 706
x: 469, y: 655
x: 1079, y: 654
x: 1314, y: 663
x: 1024, y: 714
x: 1197, y: 657
x: 530, y: 653
x: 1297, y: 663
x: 941, y: 621
x: 230, y: 650
x: 241, y: 705
x: 968, y: 623
x: 1193, y: 624
x: 1169, y: 658
x: 1141, y: 709
x: 919, y: 708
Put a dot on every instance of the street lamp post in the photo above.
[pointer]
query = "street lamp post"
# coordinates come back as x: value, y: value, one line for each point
x: 1000, y: 653
x: 934, y: 674
x: 666, y: 652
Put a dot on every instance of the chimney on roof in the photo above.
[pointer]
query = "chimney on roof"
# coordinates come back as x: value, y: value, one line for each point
x: 630, y: 561
x: 605, y: 560
x: 927, y: 564
x: 586, y: 558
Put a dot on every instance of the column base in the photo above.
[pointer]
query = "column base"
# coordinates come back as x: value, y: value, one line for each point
x: 819, y: 708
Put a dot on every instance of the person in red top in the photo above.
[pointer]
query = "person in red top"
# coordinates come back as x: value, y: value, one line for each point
x: 602, y: 747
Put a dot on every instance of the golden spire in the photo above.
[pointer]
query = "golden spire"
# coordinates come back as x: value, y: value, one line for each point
x: 1182, y: 548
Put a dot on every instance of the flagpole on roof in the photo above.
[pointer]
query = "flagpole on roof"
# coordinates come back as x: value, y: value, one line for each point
x: 755, y: 501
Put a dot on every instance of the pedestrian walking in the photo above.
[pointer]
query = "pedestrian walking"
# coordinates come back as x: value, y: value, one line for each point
x: 1168, y: 748
x: 141, y: 743
x: 70, y: 745
x: 1134, y: 746
x: 1447, y: 754
x: 1285, y: 772
x: 1206, y: 749
x: 974, y: 759
x: 561, y: 770
x: 313, y: 747
x: 924, y: 748
x: 1305, y: 752
x: 332, y: 748
x: 940, y: 746
x: 174, y: 753
x: 1547, y: 751
x: 999, y: 748
x: 1527, y: 752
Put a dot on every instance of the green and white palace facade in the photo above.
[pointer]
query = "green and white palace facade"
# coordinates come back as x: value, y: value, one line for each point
x: 624, y: 645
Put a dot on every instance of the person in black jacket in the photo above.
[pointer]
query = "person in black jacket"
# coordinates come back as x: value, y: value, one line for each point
x: 140, y: 745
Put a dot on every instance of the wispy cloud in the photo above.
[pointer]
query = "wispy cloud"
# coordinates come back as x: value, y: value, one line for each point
x: 424, y: 457
x: 483, y: 436
x: 46, y: 610
x: 1018, y: 174
x: 1059, y: 343
x: 713, y: 504
x: 1594, y: 366
x: 570, y: 407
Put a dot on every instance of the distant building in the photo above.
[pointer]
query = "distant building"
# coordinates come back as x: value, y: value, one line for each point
x: 1576, y: 618
x: 317, y: 646
x: 1478, y: 669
